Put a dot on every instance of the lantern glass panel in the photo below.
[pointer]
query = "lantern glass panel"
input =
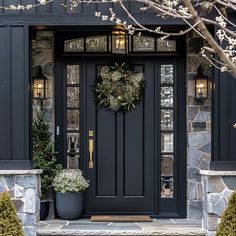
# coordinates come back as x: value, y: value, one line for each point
x: 39, y: 88
x: 201, y: 88
x: 119, y: 43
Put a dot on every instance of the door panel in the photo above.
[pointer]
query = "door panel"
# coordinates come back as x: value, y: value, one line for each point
x: 123, y: 167
x: 139, y: 164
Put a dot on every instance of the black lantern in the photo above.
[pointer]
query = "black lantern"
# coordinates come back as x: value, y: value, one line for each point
x: 119, y: 39
x: 39, y: 84
x: 201, y: 85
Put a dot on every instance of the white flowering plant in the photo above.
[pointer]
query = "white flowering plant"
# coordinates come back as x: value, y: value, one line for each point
x: 119, y: 87
x: 70, y: 180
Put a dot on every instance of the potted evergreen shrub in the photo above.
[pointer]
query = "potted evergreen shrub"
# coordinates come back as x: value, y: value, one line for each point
x: 44, y: 157
x: 69, y: 185
x: 9, y: 222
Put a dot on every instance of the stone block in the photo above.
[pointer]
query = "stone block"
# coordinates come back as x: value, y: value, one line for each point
x: 19, y: 205
x: 198, y: 126
x: 19, y: 191
x: 216, y: 204
x: 199, y: 190
x: 26, y: 181
x: 193, y: 62
x: 205, y: 108
x: 206, y: 148
x: 192, y: 112
x: 210, y: 233
x: 44, y: 44
x: 42, y: 57
x: 193, y: 174
x: 9, y: 180
x: 208, y: 126
x: 194, y: 156
x: 230, y: 182
x: 195, y: 210
x: 2, y: 185
x: 191, y: 88
x: 191, y: 190
x: 48, y: 69
x: 30, y: 230
x: 30, y: 201
x: 214, y: 184
x: 202, y: 116
x: 227, y: 194
x: 204, y: 163
x: 46, y: 35
x: 212, y: 222
x: 197, y: 139
x: 28, y: 219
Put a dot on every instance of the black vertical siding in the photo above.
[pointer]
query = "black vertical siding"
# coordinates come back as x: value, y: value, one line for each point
x: 5, y: 95
x: 14, y: 102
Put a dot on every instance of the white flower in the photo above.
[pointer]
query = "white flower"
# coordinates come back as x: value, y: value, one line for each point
x: 70, y: 180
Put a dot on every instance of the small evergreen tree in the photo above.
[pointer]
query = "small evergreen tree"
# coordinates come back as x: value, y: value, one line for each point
x: 43, y: 151
x: 9, y: 222
x: 227, y: 226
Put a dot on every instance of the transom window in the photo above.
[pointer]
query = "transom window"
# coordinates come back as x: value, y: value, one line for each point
x: 103, y: 44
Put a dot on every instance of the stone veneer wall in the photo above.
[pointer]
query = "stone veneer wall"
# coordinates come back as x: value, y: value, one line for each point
x: 24, y: 187
x: 43, y: 54
x: 198, y: 127
x: 217, y: 188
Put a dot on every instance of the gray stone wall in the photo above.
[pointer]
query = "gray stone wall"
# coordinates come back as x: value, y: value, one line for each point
x: 43, y: 55
x: 217, y: 188
x: 24, y: 188
x: 198, y: 127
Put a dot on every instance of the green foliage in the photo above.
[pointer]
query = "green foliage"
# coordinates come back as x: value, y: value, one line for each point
x: 9, y: 222
x: 119, y: 87
x: 43, y: 151
x: 227, y: 225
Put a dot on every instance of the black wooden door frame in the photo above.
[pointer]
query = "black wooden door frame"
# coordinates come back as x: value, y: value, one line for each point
x: 181, y: 121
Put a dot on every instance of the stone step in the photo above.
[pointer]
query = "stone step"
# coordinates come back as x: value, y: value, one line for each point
x: 84, y: 227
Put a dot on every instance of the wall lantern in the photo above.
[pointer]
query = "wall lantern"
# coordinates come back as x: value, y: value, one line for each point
x: 201, y: 86
x: 39, y: 85
x: 119, y: 39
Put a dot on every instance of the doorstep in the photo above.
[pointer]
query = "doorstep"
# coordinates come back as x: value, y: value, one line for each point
x: 164, y: 227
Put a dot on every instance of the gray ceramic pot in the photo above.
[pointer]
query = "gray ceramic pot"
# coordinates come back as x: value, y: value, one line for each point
x: 69, y: 205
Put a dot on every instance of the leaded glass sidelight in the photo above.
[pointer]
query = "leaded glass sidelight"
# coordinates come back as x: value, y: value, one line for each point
x: 167, y: 127
x: 73, y: 115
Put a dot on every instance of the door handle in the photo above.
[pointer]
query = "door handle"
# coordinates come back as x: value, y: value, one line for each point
x: 90, y: 153
x: 234, y: 125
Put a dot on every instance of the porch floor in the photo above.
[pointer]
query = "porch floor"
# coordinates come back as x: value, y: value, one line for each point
x: 164, y: 227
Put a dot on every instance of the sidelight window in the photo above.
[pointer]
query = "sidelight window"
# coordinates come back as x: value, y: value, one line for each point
x: 167, y: 127
x: 73, y: 115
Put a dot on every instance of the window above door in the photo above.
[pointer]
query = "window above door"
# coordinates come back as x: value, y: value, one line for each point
x: 105, y: 44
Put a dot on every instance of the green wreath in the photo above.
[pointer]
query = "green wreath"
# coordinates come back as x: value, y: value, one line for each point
x: 119, y: 87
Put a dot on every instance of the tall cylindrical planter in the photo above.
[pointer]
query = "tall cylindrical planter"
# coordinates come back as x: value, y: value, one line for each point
x: 69, y: 205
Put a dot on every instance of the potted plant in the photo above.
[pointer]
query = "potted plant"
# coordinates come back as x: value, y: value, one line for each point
x: 69, y: 185
x: 44, y: 157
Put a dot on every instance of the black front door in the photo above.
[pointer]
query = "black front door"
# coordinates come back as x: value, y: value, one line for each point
x: 122, y: 177
x: 135, y: 161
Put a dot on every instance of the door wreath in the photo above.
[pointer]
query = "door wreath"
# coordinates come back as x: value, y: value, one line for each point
x: 119, y: 87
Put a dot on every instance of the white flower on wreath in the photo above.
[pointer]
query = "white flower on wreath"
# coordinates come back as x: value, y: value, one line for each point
x: 120, y: 87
